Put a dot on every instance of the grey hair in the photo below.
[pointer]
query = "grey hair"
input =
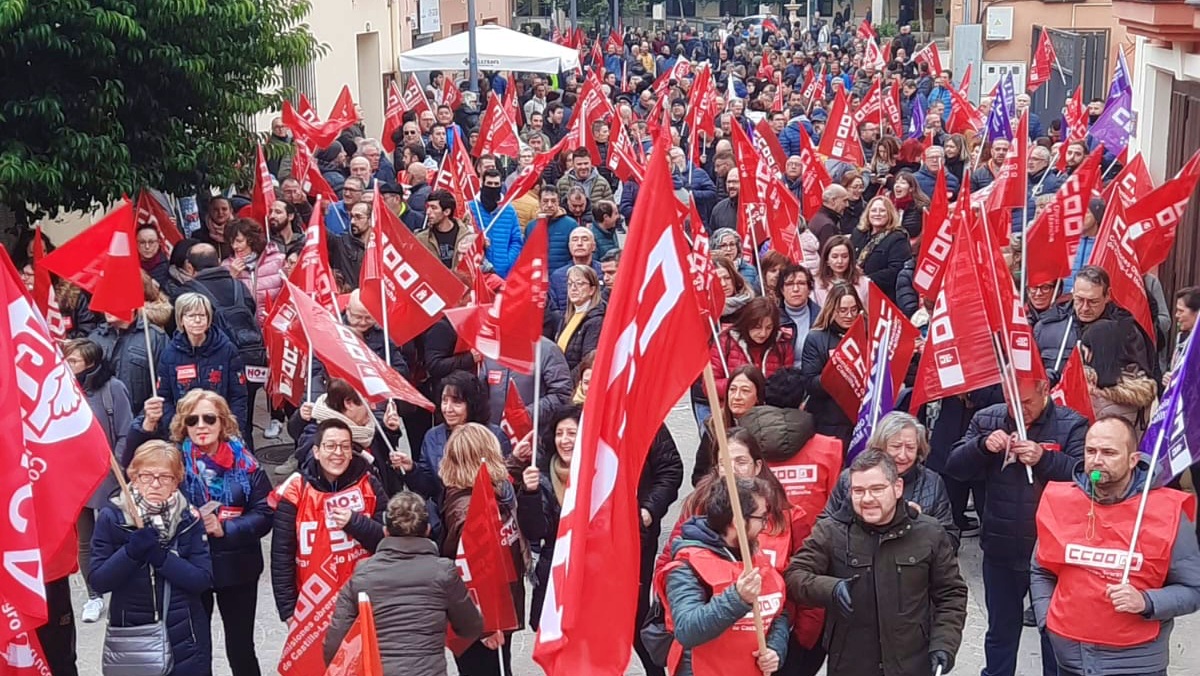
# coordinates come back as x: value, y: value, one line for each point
x: 191, y: 301
x: 894, y: 423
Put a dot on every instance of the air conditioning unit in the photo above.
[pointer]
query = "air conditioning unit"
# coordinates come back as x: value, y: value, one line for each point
x: 999, y: 24
x: 994, y: 72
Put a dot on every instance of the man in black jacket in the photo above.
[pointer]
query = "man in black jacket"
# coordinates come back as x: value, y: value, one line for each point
x: 124, y: 346
x: 1015, y: 468
x: 346, y: 251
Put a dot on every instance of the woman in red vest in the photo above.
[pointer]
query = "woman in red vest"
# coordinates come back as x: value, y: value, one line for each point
x: 709, y: 594
x: 328, y: 516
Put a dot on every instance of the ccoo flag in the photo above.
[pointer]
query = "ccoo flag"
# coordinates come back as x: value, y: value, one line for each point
x: 878, y: 402
x: 1169, y: 441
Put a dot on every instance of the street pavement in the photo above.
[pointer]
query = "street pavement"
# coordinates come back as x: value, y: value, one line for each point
x: 270, y: 632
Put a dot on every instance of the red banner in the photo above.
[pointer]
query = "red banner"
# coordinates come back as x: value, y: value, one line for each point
x: 322, y: 134
x: 1039, y: 65
x: 393, y: 117
x: 940, y: 226
x: 358, y: 654
x: 44, y: 296
x: 1072, y: 389
x: 103, y: 261
x: 497, y: 132
x: 263, y: 194
x: 312, y: 273
x: 1154, y: 219
x: 840, y: 139
x: 515, y: 422
x: 150, y: 212
x: 485, y: 560
x: 288, y: 352
x: 418, y: 287
x: 1114, y: 253
x: 887, y: 320
x: 845, y: 374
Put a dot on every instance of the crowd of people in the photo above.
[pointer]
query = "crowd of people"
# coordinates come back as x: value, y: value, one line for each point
x: 855, y: 559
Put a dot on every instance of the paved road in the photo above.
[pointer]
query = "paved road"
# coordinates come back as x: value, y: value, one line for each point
x: 1185, y: 657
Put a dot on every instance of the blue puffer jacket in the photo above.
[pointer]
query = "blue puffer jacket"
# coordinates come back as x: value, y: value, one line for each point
x: 700, y: 618
x: 133, y: 602
x: 423, y: 479
x: 216, y: 365
x: 504, y: 235
x: 1009, y: 530
x: 560, y: 237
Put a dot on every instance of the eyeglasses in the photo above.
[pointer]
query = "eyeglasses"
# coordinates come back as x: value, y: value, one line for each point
x: 761, y: 518
x: 875, y: 491
x: 333, y: 447
x: 410, y: 132
x: 193, y: 420
x: 1045, y: 288
x: 195, y: 317
x: 149, y: 479
x: 577, y: 284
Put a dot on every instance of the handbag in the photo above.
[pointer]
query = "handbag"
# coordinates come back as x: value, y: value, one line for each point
x: 656, y: 638
x: 144, y: 650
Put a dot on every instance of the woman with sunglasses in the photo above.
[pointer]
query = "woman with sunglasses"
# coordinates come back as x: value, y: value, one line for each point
x: 328, y: 516
x: 227, y: 487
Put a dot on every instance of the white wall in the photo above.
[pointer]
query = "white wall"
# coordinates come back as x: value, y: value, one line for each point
x: 1157, y: 68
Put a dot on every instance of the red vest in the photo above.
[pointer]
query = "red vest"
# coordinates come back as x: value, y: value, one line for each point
x: 325, y: 559
x: 808, y: 479
x: 1085, y: 566
x: 731, y: 653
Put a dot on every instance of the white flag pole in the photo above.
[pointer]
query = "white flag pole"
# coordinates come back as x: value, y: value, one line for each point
x: 1137, y: 524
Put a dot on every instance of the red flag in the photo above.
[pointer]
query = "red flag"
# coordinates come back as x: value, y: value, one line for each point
x: 1011, y: 185
x: 56, y: 454
x: 1039, y: 65
x: 1132, y: 184
x: 865, y: 31
x: 769, y: 25
x: 1154, y: 219
x: 515, y: 420
x: 458, y: 176
x: 597, y: 57
x: 510, y: 102
x: 652, y: 346
x: 887, y: 319
x: 965, y: 83
x: 840, y: 139
x: 102, y: 261
x: 305, y: 169
x: 844, y: 376
x: 358, y: 655
x: 345, y: 355
x: 413, y: 99
x: 614, y: 41
x: 957, y: 356
x: 782, y: 214
x: 873, y: 55
x: 508, y: 330
x: 24, y: 656
x: 752, y: 225
x: 591, y: 107
x: 150, y: 212
x: 871, y: 106
x: 1055, y: 233
x: 622, y: 157
x: 891, y: 109
x: 393, y: 117
x: 451, y: 95
x: 769, y: 147
x: 288, y: 352
x: 814, y: 178
x: 306, y: 110
x: 964, y: 116
x: 814, y: 84
x: 1114, y: 253
x: 940, y: 225
x: 1072, y: 388
x: 529, y: 176
x: 471, y: 265
x: 312, y: 273
x: 263, y: 194
x: 43, y: 292
x: 699, y: 116
x: 1076, y: 121
x: 709, y: 292
x: 778, y: 104
x: 929, y: 54
x: 484, y: 561
x: 497, y: 131
x: 419, y: 288
x: 320, y: 135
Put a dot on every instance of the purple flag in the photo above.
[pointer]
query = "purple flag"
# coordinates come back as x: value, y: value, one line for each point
x: 878, y: 402
x: 1008, y: 90
x: 999, y: 123
x: 1172, y: 441
x: 1116, y: 124
x: 1120, y: 82
x: 916, y: 120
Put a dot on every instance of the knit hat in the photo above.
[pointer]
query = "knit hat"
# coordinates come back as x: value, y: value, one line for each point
x: 330, y: 153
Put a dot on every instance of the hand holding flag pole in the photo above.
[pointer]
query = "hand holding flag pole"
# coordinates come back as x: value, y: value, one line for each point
x: 710, y: 388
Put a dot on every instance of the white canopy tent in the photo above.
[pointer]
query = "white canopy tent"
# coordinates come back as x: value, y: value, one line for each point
x: 497, y: 48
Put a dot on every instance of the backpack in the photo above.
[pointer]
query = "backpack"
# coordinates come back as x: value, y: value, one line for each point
x: 240, y: 325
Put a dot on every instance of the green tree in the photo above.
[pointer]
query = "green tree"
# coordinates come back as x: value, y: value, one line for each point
x: 103, y: 97
x: 599, y: 12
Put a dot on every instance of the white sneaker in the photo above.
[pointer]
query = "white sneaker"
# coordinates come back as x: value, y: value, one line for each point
x: 92, y: 610
x: 274, y: 429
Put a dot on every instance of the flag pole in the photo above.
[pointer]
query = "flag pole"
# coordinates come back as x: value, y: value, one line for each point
x: 129, y: 505
x: 717, y: 341
x: 739, y: 520
x: 762, y: 279
x: 1056, y: 61
x: 1137, y: 524
x: 884, y: 347
x: 1008, y: 383
x: 537, y: 394
x: 149, y: 347
x: 1062, y: 347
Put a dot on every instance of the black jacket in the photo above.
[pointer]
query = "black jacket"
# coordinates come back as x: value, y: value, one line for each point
x: 414, y: 595
x: 921, y: 485
x: 586, y: 336
x: 825, y: 224
x: 346, y: 254
x: 909, y: 598
x: 125, y: 352
x: 886, y: 260
x: 831, y: 419
x: 366, y: 529
x: 218, y: 286
x: 441, y: 360
x: 1009, y: 531
x: 907, y: 298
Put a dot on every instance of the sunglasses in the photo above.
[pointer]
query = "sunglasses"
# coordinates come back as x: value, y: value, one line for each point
x: 193, y: 420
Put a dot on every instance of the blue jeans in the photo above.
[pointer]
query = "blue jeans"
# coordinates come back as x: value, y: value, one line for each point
x: 1004, y: 594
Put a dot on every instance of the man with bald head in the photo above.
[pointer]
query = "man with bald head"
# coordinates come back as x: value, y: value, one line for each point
x: 824, y: 223
x: 582, y: 245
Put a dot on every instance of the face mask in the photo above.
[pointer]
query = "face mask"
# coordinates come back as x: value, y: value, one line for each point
x: 489, y: 197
